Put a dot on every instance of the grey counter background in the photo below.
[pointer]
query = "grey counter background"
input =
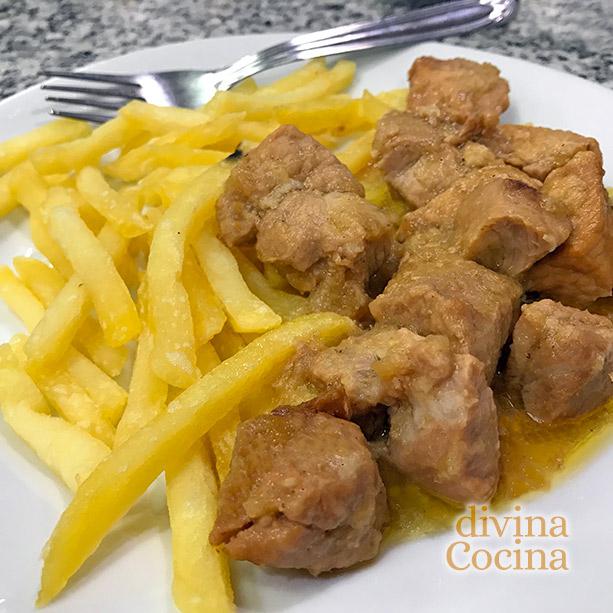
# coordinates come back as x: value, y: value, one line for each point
x: 572, y: 35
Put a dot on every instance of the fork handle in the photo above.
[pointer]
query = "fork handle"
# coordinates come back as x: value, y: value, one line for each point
x: 445, y: 19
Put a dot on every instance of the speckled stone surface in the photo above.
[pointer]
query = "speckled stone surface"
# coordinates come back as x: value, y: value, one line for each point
x: 573, y: 35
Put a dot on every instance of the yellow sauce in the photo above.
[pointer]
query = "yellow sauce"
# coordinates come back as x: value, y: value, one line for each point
x: 532, y: 456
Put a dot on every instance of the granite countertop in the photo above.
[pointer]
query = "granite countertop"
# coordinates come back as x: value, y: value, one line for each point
x: 576, y: 37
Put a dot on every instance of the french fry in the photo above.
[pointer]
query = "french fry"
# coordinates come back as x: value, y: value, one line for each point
x: 201, y: 575
x: 356, y: 154
x: 288, y: 306
x: 74, y: 404
x: 119, y: 480
x: 227, y: 342
x: 165, y: 184
x: 377, y: 192
x: 29, y: 188
x: 19, y: 298
x: 67, y: 450
x: 219, y: 130
x: 147, y: 393
x: 43, y: 281
x: 116, y: 209
x: 7, y: 198
x: 339, y: 114
x: 17, y: 149
x: 67, y: 157
x: 275, y: 279
x: 174, y: 354
x: 16, y: 386
x: 206, y: 358
x: 263, y: 104
x: 222, y: 436
x: 66, y: 396
x: 8, y: 359
x: 299, y: 77
x: 246, y: 312
x: 94, y: 266
x: 90, y: 340
x: 45, y: 243
x: 46, y: 283
x: 106, y: 393
x: 373, y: 108
x: 256, y: 131
x: 160, y: 119
x: 207, y: 313
x: 395, y: 98
x: 138, y: 163
x: 247, y: 86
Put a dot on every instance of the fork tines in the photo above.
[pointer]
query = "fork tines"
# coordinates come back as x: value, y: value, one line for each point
x: 118, y: 90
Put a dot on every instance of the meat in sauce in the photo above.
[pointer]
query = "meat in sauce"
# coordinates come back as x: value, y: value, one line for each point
x: 305, y: 213
x: 303, y: 491
x: 443, y: 427
x: 471, y: 305
x: 561, y: 362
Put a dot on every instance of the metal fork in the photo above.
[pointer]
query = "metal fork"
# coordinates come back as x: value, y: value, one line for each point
x: 192, y: 88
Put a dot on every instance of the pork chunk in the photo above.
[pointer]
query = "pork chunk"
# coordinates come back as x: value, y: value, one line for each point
x: 561, y: 362
x: 464, y: 96
x: 349, y: 367
x: 304, y: 212
x: 504, y: 224
x: 446, y: 437
x: 320, y: 240
x: 414, y: 158
x: 537, y: 151
x: 285, y: 161
x: 303, y: 491
x: 438, y: 226
x: 581, y: 270
x: 471, y: 305
x: 443, y: 425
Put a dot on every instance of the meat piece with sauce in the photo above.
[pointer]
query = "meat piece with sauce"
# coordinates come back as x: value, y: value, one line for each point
x: 505, y: 225
x: 443, y: 425
x: 581, y: 270
x: 561, y: 361
x: 432, y: 228
x: 416, y: 160
x: 535, y: 150
x: 464, y: 97
x: 303, y: 491
x: 287, y: 160
x: 304, y: 212
x: 470, y: 304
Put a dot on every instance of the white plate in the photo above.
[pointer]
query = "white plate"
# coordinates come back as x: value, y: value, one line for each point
x: 132, y: 570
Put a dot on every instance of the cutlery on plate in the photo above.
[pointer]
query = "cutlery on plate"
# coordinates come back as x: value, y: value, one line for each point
x: 192, y: 88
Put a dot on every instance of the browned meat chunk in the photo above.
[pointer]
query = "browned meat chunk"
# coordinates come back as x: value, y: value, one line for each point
x: 443, y: 425
x: 303, y: 491
x: 446, y: 437
x: 581, y: 270
x: 504, y: 224
x: 561, y: 362
x: 537, y: 151
x: 350, y: 367
x: 416, y: 160
x: 436, y: 227
x: 305, y: 213
x: 326, y: 244
x: 285, y: 161
x: 471, y: 305
x: 466, y: 97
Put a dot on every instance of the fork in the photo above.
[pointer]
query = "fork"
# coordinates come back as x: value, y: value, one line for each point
x: 192, y: 88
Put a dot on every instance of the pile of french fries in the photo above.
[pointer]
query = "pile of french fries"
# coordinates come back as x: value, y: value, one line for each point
x: 136, y: 287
